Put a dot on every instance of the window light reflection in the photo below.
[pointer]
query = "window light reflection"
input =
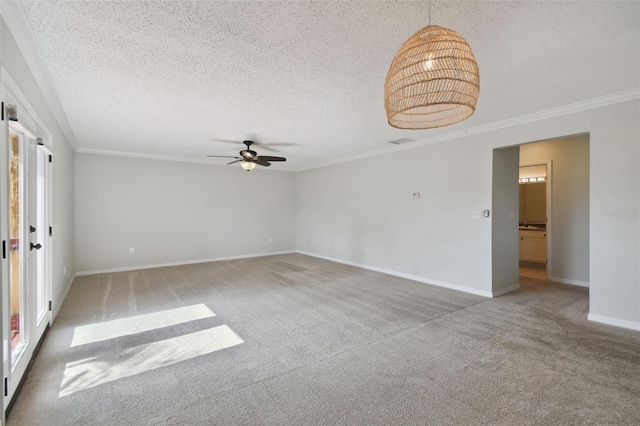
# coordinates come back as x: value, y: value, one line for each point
x: 98, y: 332
x: 90, y: 372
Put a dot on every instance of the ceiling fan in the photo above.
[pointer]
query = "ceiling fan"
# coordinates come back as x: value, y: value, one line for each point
x: 249, y: 158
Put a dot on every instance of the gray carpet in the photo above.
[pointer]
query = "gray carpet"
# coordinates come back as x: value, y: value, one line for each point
x: 294, y: 340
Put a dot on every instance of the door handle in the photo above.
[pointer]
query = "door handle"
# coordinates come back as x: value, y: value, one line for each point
x: 36, y: 246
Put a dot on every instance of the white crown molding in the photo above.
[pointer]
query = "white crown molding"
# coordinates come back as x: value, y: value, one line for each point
x: 397, y: 148
x: 142, y: 156
x: 601, y: 101
x: 614, y: 98
x: 20, y: 27
x: 161, y: 158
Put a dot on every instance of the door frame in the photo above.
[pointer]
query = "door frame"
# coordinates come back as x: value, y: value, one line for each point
x: 31, y: 124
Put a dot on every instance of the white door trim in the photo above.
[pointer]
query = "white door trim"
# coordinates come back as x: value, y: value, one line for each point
x: 32, y: 126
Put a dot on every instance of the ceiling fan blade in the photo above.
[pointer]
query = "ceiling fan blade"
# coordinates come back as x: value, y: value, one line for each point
x: 269, y: 146
x: 235, y: 161
x: 270, y: 158
x: 222, y: 156
x: 223, y: 141
x: 261, y: 161
x: 265, y: 147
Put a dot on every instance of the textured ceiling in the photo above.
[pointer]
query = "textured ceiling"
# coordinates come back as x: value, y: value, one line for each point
x: 164, y: 78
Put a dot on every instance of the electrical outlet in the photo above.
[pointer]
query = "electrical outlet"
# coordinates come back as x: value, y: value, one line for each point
x: 366, y: 249
x: 416, y: 195
x: 270, y: 239
x: 131, y: 250
x: 313, y: 240
x: 476, y: 214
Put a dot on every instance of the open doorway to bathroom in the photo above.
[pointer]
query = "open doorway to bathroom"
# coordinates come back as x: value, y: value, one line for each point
x: 565, y: 235
x: 557, y: 247
x: 534, y: 218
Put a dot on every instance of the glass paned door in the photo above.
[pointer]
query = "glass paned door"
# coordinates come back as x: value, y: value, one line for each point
x: 26, y: 287
x: 16, y: 247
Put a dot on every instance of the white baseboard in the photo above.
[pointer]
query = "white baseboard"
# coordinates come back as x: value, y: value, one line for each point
x: 185, y: 262
x: 505, y: 290
x: 614, y: 321
x: 570, y: 282
x: 402, y: 275
x: 61, y: 301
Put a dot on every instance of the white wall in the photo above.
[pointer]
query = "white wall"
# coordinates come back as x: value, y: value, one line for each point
x: 367, y: 203
x: 172, y: 212
x: 614, y: 246
x: 504, y: 221
x: 63, y: 167
x: 570, y: 203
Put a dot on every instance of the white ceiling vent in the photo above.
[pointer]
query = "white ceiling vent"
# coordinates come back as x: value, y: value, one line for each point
x: 401, y: 141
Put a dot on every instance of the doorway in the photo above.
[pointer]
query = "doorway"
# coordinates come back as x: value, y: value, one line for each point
x: 25, y: 189
x: 534, y: 219
x: 567, y: 206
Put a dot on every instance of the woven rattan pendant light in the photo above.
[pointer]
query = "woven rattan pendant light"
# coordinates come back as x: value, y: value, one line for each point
x: 433, y: 81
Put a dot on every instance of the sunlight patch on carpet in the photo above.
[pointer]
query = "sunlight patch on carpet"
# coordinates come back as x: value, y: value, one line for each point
x: 89, y: 372
x: 93, y: 333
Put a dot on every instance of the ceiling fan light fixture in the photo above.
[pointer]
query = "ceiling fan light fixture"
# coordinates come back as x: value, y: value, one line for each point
x: 248, y: 165
x: 249, y: 159
x: 247, y: 153
x: 433, y: 81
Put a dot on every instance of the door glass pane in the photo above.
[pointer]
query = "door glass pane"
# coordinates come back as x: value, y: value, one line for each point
x: 15, y: 245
